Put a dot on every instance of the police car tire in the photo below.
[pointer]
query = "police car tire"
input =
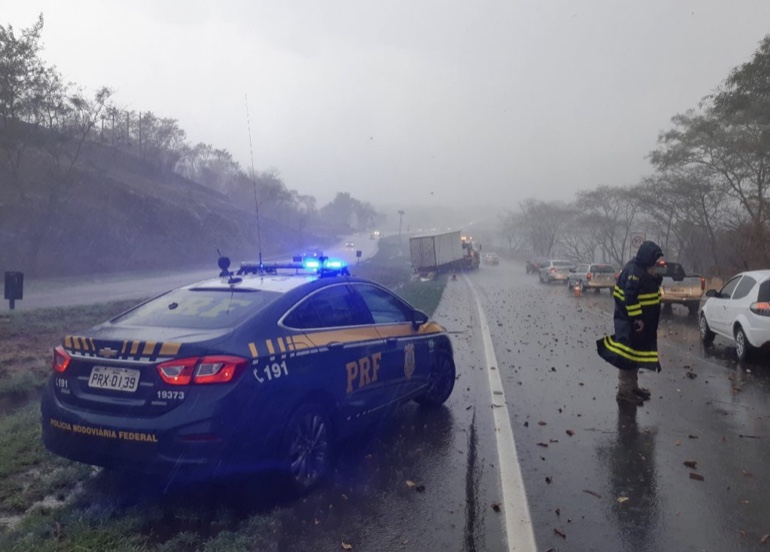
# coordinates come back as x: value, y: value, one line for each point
x: 308, y: 447
x: 441, y: 381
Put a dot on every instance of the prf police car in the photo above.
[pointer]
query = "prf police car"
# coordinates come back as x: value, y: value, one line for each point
x: 266, y: 369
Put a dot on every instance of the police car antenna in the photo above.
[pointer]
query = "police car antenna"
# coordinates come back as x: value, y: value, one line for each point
x: 254, y: 180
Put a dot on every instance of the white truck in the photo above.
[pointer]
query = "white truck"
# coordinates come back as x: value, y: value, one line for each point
x: 680, y: 288
x: 437, y: 253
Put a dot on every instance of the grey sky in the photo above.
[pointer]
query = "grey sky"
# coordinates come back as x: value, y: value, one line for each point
x: 474, y: 101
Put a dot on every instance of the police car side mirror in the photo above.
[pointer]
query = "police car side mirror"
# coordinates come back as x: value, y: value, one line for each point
x: 712, y: 293
x: 419, y: 318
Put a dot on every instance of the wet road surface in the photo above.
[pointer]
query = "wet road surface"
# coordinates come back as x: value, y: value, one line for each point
x: 684, y: 472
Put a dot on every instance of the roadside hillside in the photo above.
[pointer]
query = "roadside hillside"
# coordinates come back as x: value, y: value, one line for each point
x: 114, y: 212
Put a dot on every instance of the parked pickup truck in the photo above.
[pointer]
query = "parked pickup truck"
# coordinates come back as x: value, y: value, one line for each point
x: 680, y: 288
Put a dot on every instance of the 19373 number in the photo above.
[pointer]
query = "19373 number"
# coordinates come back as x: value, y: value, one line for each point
x: 271, y: 371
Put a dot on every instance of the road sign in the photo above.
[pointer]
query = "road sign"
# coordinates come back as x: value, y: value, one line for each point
x: 636, y: 242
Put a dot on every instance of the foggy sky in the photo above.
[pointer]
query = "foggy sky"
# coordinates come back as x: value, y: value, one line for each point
x: 408, y: 101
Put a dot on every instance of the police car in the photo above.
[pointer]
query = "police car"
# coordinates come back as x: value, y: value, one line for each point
x: 263, y: 369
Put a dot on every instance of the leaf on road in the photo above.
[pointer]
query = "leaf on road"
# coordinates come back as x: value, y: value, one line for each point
x: 622, y: 499
x: 696, y: 476
x: 542, y: 444
x: 346, y: 546
x: 747, y: 473
x: 764, y: 539
x: 677, y: 442
x: 592, y: 493
x: 410, y: 484
x: 692, y: 436
x: 542, y: 423
x: 692, y: 464
x: 562, y: 534
x: 570, y: 432
x: 548, y: 479
x: 496, y: 506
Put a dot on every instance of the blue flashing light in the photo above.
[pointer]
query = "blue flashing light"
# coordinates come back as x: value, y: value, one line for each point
x: 311, y: 264
x: 334, y: 264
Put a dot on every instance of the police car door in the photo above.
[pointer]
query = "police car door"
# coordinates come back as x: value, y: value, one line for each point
x: 405, y: 357
x: 348, y: 360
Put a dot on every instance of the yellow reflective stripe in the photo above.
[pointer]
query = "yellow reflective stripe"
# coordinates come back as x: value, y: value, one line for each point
x: 629, y: 353
x: 634, y: 309
x: 649, y: 295
x: 619, y: 291
x: 650, y: 303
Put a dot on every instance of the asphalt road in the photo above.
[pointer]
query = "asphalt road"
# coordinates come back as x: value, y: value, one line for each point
x: 532, y: 452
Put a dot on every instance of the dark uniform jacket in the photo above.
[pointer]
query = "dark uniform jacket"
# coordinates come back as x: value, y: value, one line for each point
x: 637, y: 297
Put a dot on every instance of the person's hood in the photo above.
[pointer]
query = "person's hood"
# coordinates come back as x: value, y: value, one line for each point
x: 648, y: 253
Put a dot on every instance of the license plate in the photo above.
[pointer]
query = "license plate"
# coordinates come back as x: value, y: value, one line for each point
x: 115, y: 379
x: 677, y: 290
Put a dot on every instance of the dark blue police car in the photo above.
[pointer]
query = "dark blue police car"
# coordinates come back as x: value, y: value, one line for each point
x: 264, y: 369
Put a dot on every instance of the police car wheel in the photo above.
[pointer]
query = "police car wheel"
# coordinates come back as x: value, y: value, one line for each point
x: 307, y: 447
x: 441, y: 381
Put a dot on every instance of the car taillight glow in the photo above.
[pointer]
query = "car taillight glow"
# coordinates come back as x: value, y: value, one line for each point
x: 178, y: 371
x: 617, y: 275
x: 201, y: 370
x: 588, y: 276
x: 762, y: 309
x: 702, y: 284
x: 553, y: 269
x: 61, y: 359
x: 218, y: 369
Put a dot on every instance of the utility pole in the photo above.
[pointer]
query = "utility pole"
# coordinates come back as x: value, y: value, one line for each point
x: 400, y: 217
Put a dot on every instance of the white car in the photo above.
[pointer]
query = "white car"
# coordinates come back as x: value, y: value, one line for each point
x: 739, y: 312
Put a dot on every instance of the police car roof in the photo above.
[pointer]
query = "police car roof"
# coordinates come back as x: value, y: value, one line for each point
x: 276, y: 283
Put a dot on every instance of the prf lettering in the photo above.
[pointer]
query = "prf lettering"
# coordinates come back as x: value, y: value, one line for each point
x: 365, y: 370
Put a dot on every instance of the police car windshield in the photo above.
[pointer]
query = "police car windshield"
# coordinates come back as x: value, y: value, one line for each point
x: 198, y: 309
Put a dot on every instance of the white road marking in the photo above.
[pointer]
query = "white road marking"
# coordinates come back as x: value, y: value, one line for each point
x: 518, y: 522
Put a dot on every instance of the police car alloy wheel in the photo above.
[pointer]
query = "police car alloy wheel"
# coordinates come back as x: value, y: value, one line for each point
x: 308, y: 446
x: 441, y: 382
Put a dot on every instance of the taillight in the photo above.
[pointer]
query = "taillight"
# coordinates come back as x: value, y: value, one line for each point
x: 61, y: 359
x: 218, y: 369
x: 588, y: 276
x: 702, y: 283
x: 202, y: 370
x: 178, y: 371
x: 553, y: 269
x: 617, y: 275
x: 762, y: 309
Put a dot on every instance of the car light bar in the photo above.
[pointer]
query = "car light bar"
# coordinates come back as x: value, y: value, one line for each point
x: 321, y: 266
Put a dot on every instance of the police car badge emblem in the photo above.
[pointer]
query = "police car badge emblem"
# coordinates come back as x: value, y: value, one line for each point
x: 409, y: 361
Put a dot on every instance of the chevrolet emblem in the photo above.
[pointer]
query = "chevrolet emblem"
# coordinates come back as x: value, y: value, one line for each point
x: 107, y: 352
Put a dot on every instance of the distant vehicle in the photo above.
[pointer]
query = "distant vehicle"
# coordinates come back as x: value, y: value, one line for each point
x: 739, y: 312
x: 491, y: 259
x: 443, y: 252
x: 349, y: 245
x: 266, y: 369
x: 555, y: 270
x: 596, y: 276
x: 313, y: 253
x: 679, y: 288
x: 534, y: 265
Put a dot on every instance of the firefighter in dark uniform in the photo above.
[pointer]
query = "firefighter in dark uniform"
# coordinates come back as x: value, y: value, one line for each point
x: 634, y: 344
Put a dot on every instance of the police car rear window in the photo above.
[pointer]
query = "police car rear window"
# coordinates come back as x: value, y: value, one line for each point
x: 603, y: 268
x: 198, y: 309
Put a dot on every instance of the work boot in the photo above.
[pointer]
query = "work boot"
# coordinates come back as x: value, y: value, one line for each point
x: 629, y: 397
x: 643, y: 393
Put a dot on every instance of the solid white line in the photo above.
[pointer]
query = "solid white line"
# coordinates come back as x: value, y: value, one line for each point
x: 518, y: 522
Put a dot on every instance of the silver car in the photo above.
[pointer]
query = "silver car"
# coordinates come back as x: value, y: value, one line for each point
x: 595, y: 276
x: 555, y: 270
